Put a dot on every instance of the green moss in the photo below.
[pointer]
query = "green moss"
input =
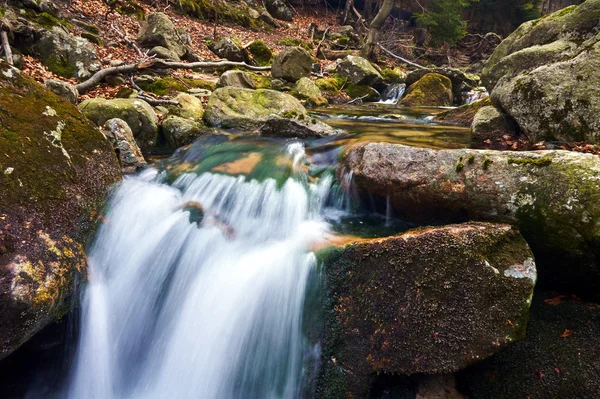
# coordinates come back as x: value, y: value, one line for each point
x: 171, y: 86
x: 93, y: 38
x: 2, y: 12
x: 294, y: 42
x: 60, y: 66
x: 289, y: 114
x: 530, y: 161
x: 471, y: 160
x: 487, y: 163
x: 224, y: 12
x: 88, y: 27
x: 459, y: 166
x: 366, y: 93
x: 261, y: 53
x: 391, y: 76
x: 332, y: 84
x: 46, y: 20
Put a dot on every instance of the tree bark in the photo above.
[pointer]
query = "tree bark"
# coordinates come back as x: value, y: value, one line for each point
x: 347, y: 9
x: 376, y: 25
x: 6, y: 47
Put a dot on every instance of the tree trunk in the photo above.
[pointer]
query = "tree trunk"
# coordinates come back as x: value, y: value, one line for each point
x: 376, y: 25
x: 347, y: 9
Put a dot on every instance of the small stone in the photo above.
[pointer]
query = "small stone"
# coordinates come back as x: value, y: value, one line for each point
x: 63, y: 89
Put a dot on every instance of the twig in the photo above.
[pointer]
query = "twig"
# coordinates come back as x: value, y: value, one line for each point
x: 128, y: 41
x: 357, y: 99
x: 388, y: 52
x: 99, y: 76
x: 6, y: 48
x: 154, y: 101
x: 321, y: 42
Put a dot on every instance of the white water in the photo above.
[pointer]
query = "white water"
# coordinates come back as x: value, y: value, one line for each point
x: 177, y: 310
x: 393, y: 93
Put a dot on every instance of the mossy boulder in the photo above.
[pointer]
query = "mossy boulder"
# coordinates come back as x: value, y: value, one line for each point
x: 432, y: 90
x: 463, y: 115
x: 358, y: 71
x: 231, y: 107
x: 63, y: 89
x: 227, y: 49
x: 245, y: 80
x: 490, y: 124
x: 551, y: 196
x: 138, y: 114
x: 559, y: 358
x: 306, y: 88
x: 291, y: 64
x: 260, y: 52
x: 364, y: 93
x: 159, y: 30
x: 171, y: 86
x: 55, y: 169
x: 420, y: 303
x: 66, y: 55
x: 546, y: 74
x: 190, y: 107
x: 461, y: 81
x: 181, y: 131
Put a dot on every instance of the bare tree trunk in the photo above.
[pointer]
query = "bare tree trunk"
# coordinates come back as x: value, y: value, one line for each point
x: 376, y: 25
x: 347, y: 9
x: 6, y: 48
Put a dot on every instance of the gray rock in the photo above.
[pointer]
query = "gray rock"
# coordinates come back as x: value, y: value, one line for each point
x: 163, y: 53
x: 226, y: 48
x: 420, y: 302
x: 189, y: 107
x: 159, y: 30
x: 230, y: 107
x: 121, y: 137
x: 546, y: 74
x: 63, y: 89
x: 279, y: 9
x: 307, y: 88
x: 358, y: 70
x: 303, y: 127
x: 235, y: 78
x: 291, y: 64
x: 138, y: 114
x: 66, y: 55
x: 490, y: 124
x: 551, y: 196
x: 181, y: 131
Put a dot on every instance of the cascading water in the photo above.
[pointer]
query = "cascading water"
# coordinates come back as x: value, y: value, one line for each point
x: 393, y: 93
x: 181, y: 309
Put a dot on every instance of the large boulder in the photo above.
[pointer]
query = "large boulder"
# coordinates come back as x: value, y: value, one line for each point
x: 461, y: 81
x: 55, y: 168
x: 227, y: 49
x: 230, y: 107
x: 291, y: 64
x: 546, y: 74
x: 551, y: 195
x: 489, y: 124
x: 279, y: 9
x: 236, y: 78
x: 121, y: 137
x: 358, y: 71
x: 432, y: 90
x: 303, y: 127
x: 306, y: 88
x: 159, y: 30
x: 138, y: 114
x: 559, y: 358
x: 432, y: 300
x: 66, y: 55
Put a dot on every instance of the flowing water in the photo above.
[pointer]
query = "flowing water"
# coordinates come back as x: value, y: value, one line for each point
x: 178, y: 308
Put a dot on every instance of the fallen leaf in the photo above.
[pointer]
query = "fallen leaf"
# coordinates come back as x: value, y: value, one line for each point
x: 566, y: 333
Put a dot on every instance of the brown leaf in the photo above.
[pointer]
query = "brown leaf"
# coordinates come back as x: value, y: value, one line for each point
x: 566, y: 333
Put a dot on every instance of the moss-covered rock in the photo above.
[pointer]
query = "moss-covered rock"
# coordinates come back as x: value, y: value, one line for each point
x: 138, y: 114
x: 63, y: 89
x: 432, y: 90
x: 463, y: 115
x: 231, y: 107
x: 171, y: 86
x: 260, y: 52
x: 181, y: 131
x: 226, y: 48
x: 66, y: 55
x: 306, y: 88
x: 559, y: 358
x: 545, y: 75
x: 551, y: 195
x: 365, y: 93
x: 55, y: 169
x: 358, y: 71
x: 244, y: 80
x: 159, y: 30
x: 190, y: 107
x: 121, y: 137
x: 291, y: 64
x: 300, y: 126
x: 420, y: 303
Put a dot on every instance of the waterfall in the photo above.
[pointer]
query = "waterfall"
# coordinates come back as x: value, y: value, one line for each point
x: 177, y: 308
x: 393, y: 93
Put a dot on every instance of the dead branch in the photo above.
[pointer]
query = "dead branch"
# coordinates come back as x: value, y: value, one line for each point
x: 123, y: 36
x: 357, y: 99
x: 6, y: 47
x: 321, y: 42
x: 155, y: 101
x: 99, y: 76
x: 388, y: 52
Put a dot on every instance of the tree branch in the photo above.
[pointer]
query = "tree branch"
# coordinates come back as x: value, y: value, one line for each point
x: 99, y: 76
x: 388, y: 52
